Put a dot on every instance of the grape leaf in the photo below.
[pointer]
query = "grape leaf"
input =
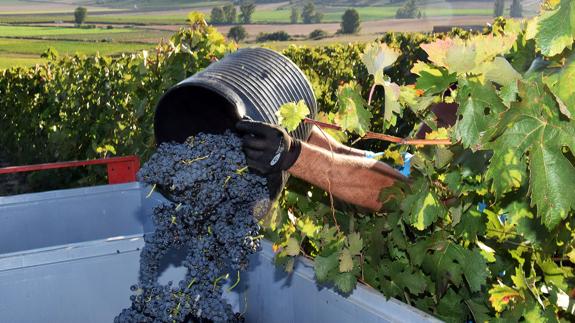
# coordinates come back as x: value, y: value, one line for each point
x: 353, y: 115
x: 324, y: 265
x: 534, y: 126
x: 292, y: 248
x: 445, y: 262
x: 376, y: 57
x: 561, y: 85
x: 291, y: 114
x: 345, y: 261
x: 501, y: 295
x: 506, y: 171
x: 402, y: 276
x: 555, y: 274
x: 392, y: 106
x: 451, y: 308
x: 432, y: 80
x: 332, y: 118
x: 422, y: 208
x: 345, y: 282
x: 408, y: 96
x: 474, y: 98
x: 437, y: 50
x: 478, y: 310
x: 471, y: 224
x: 461, y: 57
x: 307, y: 227
x: 355, y: 243
x: 556, y: 29
x: 475, y: 269
x: 501, y: 72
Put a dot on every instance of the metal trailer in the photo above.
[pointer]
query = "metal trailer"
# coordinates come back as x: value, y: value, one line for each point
x: 71, y: 255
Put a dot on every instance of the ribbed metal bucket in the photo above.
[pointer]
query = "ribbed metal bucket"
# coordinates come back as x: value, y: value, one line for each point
x: 251, y: 82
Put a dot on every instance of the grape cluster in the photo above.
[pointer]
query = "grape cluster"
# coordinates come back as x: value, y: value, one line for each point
x: 212, y: 212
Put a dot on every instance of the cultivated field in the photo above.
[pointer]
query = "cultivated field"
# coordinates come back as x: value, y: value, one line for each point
x: 128, y: 25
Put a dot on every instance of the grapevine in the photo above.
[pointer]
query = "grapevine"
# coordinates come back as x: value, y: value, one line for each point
x: 483, y: 231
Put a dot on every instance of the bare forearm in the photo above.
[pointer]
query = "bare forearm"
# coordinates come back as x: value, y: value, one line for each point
x: 321, y: 139
x: 353, y: 179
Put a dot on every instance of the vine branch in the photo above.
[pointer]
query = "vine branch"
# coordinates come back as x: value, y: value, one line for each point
x: 384, y: 137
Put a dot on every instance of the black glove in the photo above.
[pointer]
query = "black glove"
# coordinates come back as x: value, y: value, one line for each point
x: 268, y: 148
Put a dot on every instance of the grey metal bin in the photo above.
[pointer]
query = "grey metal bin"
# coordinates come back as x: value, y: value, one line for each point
x: 71, y: 255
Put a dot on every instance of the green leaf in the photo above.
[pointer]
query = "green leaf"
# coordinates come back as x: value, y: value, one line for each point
x: 414, y: 281
x: 560, y: 82
x: 291, y: 114
x: 451, y: 308
x: 555, y: 274
x: 501, y: 72
x: 535, y: 126
x: 408, y: 96
x: 479, y: 311
x: 506, y: 171
x: 471, y: 225
x: 475, y: 270
x: 292, y: 248
x: 446, y: 262
x: 352, y: 113
x: 474, y: 98
x: 556, y: 29
x: 422, y: 208
x: 401, y: 275
x: 432, y: 80
x: 355, y: 243
x: 345, y: 261
x: 392, y: 106
x: 376, y: 57
x: 345, y: 282
x: 325, y: 265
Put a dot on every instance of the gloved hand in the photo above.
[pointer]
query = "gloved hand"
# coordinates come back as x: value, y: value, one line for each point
x: 268, y: 148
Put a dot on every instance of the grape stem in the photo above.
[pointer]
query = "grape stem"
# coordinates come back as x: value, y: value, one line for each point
x: 236, y: 283
x: 380, y: 136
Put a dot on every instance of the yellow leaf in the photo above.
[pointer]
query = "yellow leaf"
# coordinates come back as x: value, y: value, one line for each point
x: 345, y: 261
x: 393, y: 155
x: 376, y: 57
x: 292, y: 248
x: 441, y: 133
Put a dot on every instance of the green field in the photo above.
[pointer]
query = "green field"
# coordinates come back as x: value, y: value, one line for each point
x: 267, y: 16
x: 96, y: 34
x: 27, y: 31
x: 15, y: 52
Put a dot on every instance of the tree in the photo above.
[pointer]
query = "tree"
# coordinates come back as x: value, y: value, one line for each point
x: 516, y: 10
x: 237, y: 33
x: 318, y: 34
x: 409, y: 10
x: 350, y: 22
x: 217, y: 16
x: 309, y: 15
x: 498, y: 8
x: 247, y: 8
x: 230, y: 13
x: 80, y: 15
x: 294, y: 16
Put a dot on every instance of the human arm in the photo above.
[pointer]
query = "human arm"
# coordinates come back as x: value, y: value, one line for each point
x: 353, y: 179
x: 320, y: 138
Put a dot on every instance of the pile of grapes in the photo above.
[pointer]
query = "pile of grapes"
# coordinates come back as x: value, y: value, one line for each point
x: 212, y: 212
